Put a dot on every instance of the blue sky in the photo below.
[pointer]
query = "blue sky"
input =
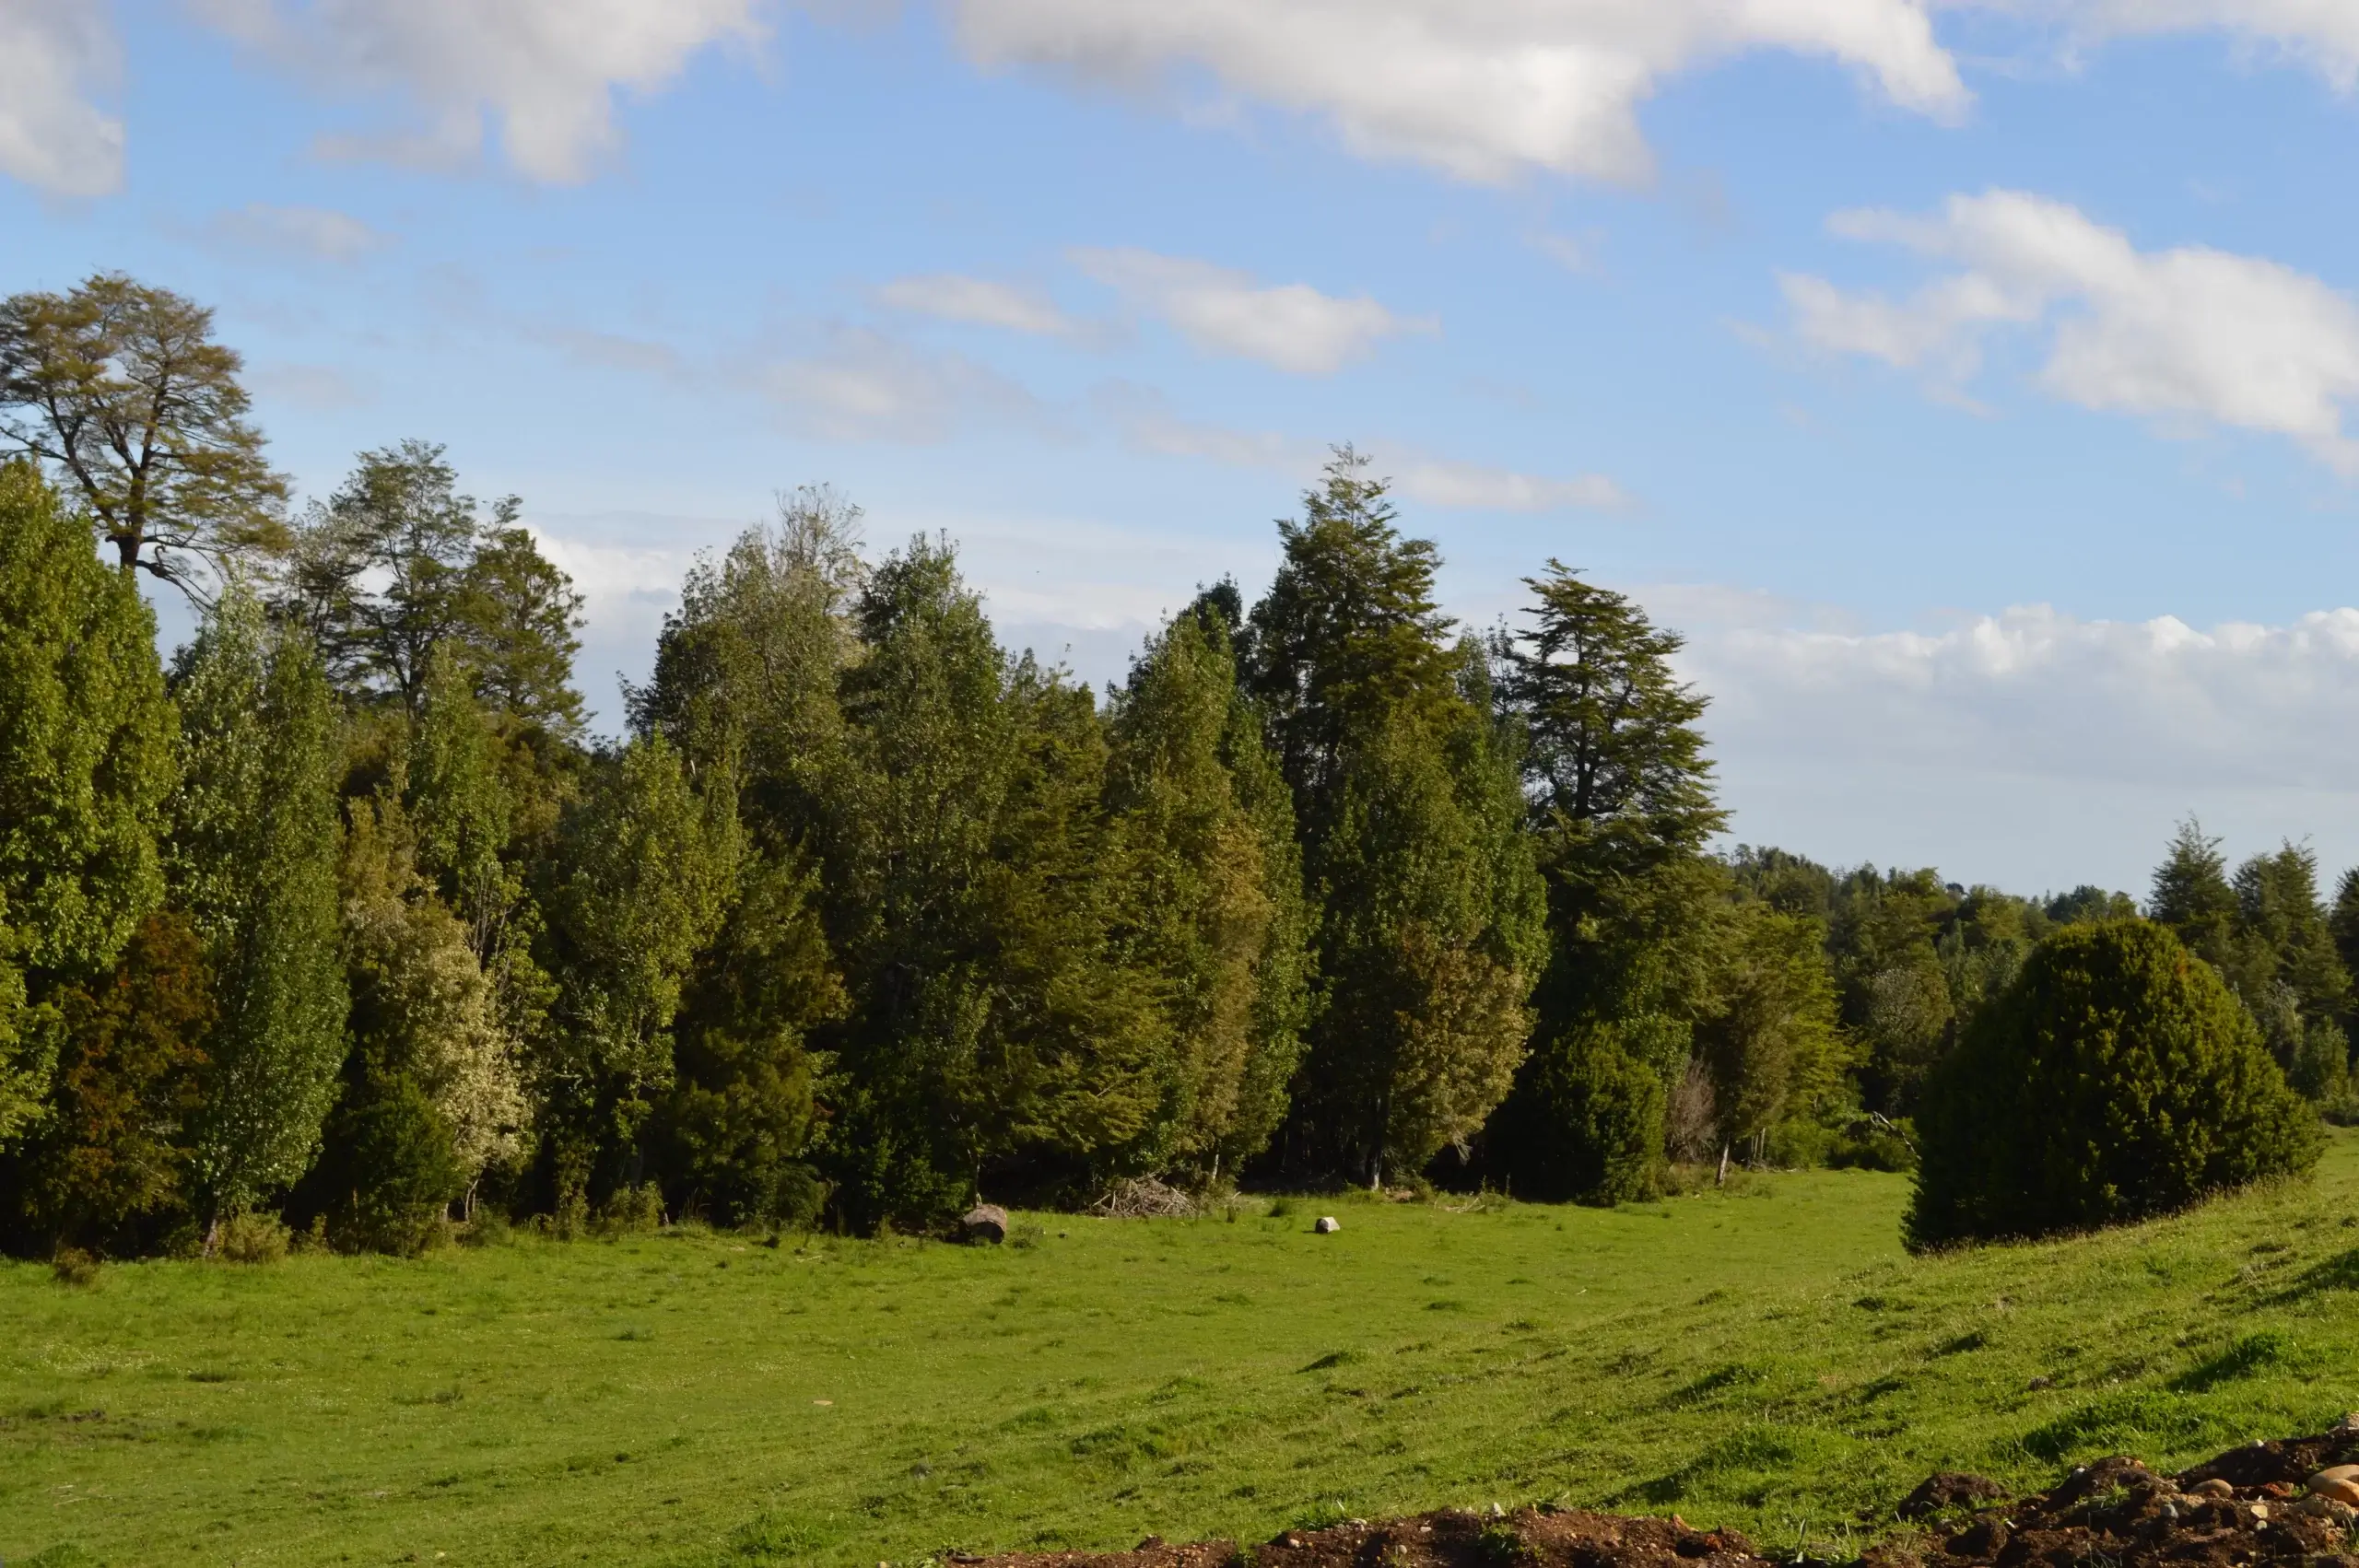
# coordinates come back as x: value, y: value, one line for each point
x: 1969, y: 381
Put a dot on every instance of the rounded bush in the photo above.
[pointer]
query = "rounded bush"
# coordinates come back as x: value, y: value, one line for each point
x: 2117, y: 1078
x: 1585, y: 1123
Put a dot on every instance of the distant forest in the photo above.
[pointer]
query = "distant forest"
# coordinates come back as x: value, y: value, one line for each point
x: 340, y: 916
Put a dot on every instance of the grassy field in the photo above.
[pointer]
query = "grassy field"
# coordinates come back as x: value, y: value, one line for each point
x: 1765, y: 1357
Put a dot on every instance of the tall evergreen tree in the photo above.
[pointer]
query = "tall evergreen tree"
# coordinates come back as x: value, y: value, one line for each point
x: 2191, y: 895
x: 106, y: 1164
x: 738, y: 1132
x: 86, y: 762
x: 1002, y: 1029
x: 253, y: 861
x: 1349, y: 635
x: 86, y: 739
x: 1620, y: 810
x: 1408, y: 804
x: 2287, y: 932
x: 1772, y: 1044
x: 1217, y: 901
x: 645, y: 870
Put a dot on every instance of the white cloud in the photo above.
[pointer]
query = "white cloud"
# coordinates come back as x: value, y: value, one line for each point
x: 979, y: 302
x: 2034, y: 691
x: 2321, y: 34
x: 316, y: 387
x: 1575, y: 254
x: 547, y: 71
x: 1484, y: 91
x: 1441, y: 483
x: 615, y: 351
x: 1291, y: 326
x: 2029, y: 747
x: 2189, y: 332
x: 320, y: 233
x: 52, y: 53
x: 1146, y: 424
x: 860, y: 385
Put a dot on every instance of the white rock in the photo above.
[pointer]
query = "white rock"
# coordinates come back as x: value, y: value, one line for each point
x: 1328, y: 1225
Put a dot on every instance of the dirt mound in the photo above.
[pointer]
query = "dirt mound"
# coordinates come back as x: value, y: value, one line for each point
x: 2248, y: 1508
x: 1946, y: 1489
x: 1529, y: 1537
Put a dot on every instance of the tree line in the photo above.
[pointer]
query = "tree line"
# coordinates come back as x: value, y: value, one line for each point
x: 342, y: 915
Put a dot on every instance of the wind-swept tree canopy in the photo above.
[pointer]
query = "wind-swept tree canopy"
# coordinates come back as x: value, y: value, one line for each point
x: 122, y: 391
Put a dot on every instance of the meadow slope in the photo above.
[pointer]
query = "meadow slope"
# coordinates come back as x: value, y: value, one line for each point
x: 1766, y: 1358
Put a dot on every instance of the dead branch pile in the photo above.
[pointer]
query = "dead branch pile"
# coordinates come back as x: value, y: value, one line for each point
x: 1144, y: 1197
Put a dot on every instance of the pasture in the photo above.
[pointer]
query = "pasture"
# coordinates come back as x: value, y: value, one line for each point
x: 1766, y: 1357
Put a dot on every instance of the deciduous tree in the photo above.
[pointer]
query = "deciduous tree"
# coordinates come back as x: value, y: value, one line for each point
x: 252, y: 861
x: 122, y: 389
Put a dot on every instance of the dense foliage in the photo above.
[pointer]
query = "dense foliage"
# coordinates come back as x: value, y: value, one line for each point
x: 346, y: 921
x: 2117, y: 1078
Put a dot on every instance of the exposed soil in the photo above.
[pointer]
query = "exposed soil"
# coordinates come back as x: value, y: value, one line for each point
x: 2247, y: 1508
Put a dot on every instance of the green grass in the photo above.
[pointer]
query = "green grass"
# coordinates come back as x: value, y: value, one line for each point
x: 1766, y: 1358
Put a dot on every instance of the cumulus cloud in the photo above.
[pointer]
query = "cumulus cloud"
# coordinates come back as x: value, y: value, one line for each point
x: 2033, y: 690
x: 862, y: 385
x: 2029, y: 747
x: 1292, y: 327
x: 976, y: 301
x: 52, y: 136
x: 316, y: 233
x: 546, y: 71
x: 2184, y: 334
x: 1481, y: 91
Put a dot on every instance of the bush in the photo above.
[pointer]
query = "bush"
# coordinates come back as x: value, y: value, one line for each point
x: 1874, y: 1145
x: 252, y: 1237
x: 1585, y: 1123
x: 488, y: 1226
x: 388, y: 1176
x: 2117, y: 1078
x: 74, y: 1267
x: 631, y: 1209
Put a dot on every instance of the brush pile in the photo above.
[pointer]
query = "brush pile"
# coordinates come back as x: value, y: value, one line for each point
x: 1144, y: 1197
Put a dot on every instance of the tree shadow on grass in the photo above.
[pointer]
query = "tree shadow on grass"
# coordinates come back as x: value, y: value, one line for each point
x: 2252, y: 1355
x: 2339, y: 1273
x: 1751, y: 1450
